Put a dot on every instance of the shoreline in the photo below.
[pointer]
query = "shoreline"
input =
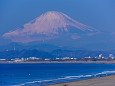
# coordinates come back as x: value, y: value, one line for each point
x: 108, y: 80
x: 33, y: 62
x: 66, y: 78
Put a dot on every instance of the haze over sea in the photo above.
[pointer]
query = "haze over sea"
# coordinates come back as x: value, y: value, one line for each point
x: 49, y: 73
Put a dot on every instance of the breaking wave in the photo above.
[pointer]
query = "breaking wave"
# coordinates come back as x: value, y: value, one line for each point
x: 65, y: 79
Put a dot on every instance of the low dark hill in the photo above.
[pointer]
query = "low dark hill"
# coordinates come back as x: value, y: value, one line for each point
x: 25, y: 54
x: 56, y: 53
x: 80, y: 53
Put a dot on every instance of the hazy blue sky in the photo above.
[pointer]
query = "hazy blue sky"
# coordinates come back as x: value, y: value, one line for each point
x: 99, y: 14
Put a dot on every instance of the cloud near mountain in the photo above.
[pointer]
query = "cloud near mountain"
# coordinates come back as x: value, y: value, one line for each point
x: 48, y: 26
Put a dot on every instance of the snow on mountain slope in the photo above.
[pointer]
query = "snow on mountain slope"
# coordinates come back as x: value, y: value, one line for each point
x: 47, y: 26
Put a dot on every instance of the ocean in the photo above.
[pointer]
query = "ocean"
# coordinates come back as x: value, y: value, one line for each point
x: 49, y: 73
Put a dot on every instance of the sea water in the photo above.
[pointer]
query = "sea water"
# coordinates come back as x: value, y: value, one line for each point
x: 50, y: 73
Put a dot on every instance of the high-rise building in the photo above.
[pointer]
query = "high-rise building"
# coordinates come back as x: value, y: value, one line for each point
x: 100, y: 55
x: 110, y: 55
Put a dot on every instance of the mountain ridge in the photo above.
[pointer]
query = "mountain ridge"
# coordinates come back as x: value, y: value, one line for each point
x: 49, y: 25
x: 52, y: 55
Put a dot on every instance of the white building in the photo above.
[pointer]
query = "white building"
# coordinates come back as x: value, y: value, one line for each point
x: 100, y: 55
x: 33, y: 58
x: 111, y: 56
x: 65, y: 58
x: 2, y: 59
x: 88, y: 57
x: 57, y: 58
x: 17, y: 60
x: 46, y: 59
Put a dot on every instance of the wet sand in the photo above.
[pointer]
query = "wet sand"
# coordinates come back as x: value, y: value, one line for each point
x: 98, y: 81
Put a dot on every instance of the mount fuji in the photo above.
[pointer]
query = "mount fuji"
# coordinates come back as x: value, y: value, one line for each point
x: 48, y: 26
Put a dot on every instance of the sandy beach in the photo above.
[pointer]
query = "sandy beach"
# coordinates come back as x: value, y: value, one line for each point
x: 98, y: 81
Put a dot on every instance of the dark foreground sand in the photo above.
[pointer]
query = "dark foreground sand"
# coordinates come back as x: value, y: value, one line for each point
x: 99, y: 81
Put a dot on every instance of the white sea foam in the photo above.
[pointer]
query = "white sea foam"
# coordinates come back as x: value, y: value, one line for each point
x: 67, y: 78
x: 106, y: 72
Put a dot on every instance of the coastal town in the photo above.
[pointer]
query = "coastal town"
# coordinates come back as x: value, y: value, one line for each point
x: 97, y: 59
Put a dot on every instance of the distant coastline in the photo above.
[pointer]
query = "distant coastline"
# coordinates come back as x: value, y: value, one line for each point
x: 32, y: 62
